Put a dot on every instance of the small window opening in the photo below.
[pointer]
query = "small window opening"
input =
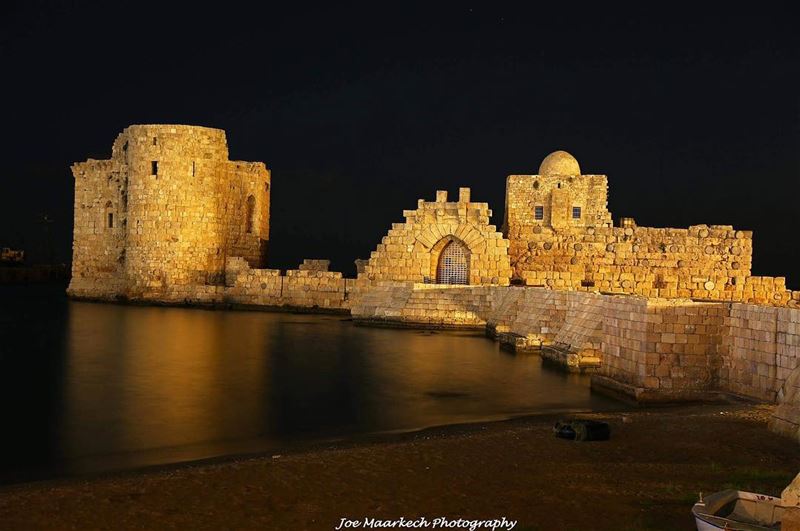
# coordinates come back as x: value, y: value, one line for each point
x: 576, y: 212
x: 155, y: 141
x: 535, y: 185
x: 154, y: 167
x: 538, y: 212
x: 251, y: 212
x: 559, y: 185
x: 587, y: 283
x: 110, y: 220
x: 193, y: 169
x: 266, y: 187
x: 125, y: 146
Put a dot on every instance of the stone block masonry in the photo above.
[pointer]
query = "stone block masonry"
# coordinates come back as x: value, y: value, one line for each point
x: 445, y: 242
x: 313, y: 288
x: 393, y: 303
x: 158, y: 219
x: 657, y: 314
x: 561, y: 236
x: 652, y: 350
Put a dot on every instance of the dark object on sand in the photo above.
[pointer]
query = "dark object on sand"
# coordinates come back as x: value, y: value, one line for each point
x: 582, y: 430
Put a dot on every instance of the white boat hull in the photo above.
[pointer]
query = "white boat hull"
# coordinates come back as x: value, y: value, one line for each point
x: 735, y: 510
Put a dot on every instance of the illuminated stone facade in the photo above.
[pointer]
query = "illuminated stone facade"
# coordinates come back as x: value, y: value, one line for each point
x: 419, y: 249
x: 561, y: 236
x: 160, y: 217
x: 657, y: 314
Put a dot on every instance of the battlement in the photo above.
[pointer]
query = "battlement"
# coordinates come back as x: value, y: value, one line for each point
x: 165, y: 140
x: 413, y: 250
x: 442, y: 210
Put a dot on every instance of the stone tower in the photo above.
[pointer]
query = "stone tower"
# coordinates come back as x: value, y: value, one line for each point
x: 559, y: 197
x: 164, y: 212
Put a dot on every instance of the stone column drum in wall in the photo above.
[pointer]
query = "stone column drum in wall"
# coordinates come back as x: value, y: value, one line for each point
x: 164, y: 213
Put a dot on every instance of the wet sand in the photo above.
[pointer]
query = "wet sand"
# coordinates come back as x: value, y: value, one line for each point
x: 646, y: 477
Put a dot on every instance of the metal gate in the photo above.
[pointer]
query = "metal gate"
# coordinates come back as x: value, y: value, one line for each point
x: 453, y: 267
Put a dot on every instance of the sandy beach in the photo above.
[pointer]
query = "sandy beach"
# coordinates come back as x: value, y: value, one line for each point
x: 646, y: 477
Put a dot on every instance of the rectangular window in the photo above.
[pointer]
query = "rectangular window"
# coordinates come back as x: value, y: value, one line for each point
x: 538, y: 212
x: 110, y: 220
x: 576, y: 212
x: 154, y: 168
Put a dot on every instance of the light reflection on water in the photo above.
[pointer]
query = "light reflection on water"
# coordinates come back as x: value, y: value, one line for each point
x: 119, y: 386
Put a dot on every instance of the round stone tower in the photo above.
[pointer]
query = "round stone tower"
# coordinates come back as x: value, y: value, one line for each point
x: 172, y: 219
x: 176, y: 209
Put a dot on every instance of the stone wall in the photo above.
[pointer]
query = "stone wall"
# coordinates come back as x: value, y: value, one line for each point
x: 561, y: 236
x: 653, y: 349
x: 428, y: 305
x: 164, y: 212
x: 786, y: 419
x: 662, y: 350
x: 577, y: 344
x: 411, y: 250
x: 762, y: 347
x: 300, y: 288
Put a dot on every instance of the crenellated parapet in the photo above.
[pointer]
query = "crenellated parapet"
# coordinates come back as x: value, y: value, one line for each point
x: 447, y: 242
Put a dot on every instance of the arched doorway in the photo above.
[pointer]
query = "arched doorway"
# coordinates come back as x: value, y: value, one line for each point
x: 453, y: 266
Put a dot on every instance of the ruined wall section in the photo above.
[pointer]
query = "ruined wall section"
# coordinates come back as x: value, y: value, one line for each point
x: 698, y: 262
x: 100, y: 228
x: 310, y: 287
x: 245, y: 205
x: 410, y: 250
x: 561, y: 236
x: 702, y: 262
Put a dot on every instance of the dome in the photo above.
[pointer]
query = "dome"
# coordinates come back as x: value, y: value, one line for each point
x: 559, y: 163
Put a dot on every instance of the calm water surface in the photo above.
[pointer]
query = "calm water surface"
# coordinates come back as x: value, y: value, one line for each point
x: 90, y: 387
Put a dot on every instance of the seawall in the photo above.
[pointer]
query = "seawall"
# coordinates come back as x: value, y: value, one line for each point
x: 652, y: 350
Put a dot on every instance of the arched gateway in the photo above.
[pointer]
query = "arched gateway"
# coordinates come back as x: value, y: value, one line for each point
x: 453, y: 266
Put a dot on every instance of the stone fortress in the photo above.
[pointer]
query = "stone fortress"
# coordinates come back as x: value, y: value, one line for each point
x: 657, y: 314
x: 163, y: 214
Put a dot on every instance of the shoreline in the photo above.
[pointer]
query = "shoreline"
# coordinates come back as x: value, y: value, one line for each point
x: 646, y: 477
x: 357, y: 440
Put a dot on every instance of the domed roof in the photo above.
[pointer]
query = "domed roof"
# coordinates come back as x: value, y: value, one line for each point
x: 559, y: 163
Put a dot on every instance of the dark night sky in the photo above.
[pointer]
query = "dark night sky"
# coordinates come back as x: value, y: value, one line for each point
x: 695, y: 117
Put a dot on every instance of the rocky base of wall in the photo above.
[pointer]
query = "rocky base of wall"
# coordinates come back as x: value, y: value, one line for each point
x: 641, y: 395
x: 394, y: 323
x: 786, y: 419
x: 569, y: 360
x: 310, y: 289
